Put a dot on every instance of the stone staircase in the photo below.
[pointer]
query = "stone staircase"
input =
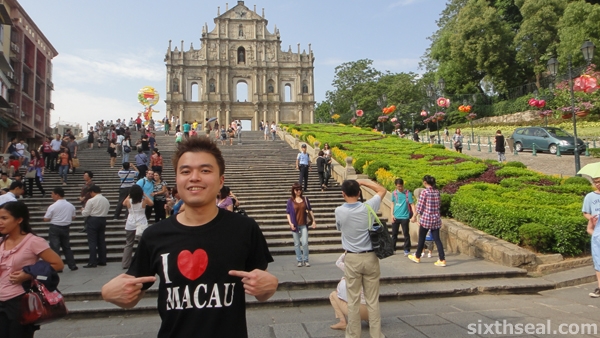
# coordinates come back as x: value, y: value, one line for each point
x: 261, y: 174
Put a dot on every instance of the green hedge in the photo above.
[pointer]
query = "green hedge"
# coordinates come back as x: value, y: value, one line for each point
x: 501, y: 211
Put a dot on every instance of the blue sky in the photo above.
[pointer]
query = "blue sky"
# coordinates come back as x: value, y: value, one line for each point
x: 110, y: 49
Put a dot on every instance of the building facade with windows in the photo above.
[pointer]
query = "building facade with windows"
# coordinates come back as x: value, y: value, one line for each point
x: 240, y: 72
x: 29, y: 93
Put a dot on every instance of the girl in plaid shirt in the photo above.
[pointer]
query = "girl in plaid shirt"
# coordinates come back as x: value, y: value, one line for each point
x: 428, y: 209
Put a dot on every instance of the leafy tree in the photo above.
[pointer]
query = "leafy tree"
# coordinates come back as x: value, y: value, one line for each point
x: 537, y: 33
x: 481, y: 42
x: 322, y: 112
x: 575, y: 28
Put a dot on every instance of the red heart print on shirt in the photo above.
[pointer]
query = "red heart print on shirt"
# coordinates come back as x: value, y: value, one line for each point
x: 193, y: 265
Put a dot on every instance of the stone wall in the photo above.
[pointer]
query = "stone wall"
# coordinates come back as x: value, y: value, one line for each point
x: 529, y: 115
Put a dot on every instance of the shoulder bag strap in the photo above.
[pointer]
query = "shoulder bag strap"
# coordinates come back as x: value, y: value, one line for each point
x: 124, y: 179
x: 372, y: 212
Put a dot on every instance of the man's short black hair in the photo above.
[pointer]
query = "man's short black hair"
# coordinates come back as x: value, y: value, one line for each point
x: 4, y: 173
x: 126, y: 165
x: 16, y: 184
x: 90, y: 173
x: 59, y: 191
x: 95, y: 189
x: 351, y: 188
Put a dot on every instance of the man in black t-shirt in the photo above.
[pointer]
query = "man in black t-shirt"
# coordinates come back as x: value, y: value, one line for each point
x: 207, y: 258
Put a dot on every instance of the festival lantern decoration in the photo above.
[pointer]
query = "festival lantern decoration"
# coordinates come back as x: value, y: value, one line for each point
x: 423, y: 113
x: 148, y: 97
x: 359, y: 113
x: 585, y: 83
x: 443, y: 102
x: 353, y: 120
x: 464, y: 109
x: 394, y: 120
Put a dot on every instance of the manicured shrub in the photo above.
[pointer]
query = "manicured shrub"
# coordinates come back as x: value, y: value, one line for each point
x: 515, y: 164
x: 374, y: 166
x: 438, y: 146
x: 595, y: 152
x: 359, y: 164
x: 538, y: 236
x: 446, y: 200
x: 576, y: 180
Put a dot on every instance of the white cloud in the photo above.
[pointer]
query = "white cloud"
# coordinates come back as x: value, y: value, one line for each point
x: 76, y: 106
x: 403, y: 3
x: 98, y: 67
x: 397, y: 65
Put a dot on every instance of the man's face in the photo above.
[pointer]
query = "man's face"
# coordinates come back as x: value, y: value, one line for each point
x: 19, y: 191
x: 57, y: 137
x: 86, y: 177
x: 400, y: 187
x: 54, y: 196
x: 150, y: 175
x: 4, y: 178
x: 198, y: 179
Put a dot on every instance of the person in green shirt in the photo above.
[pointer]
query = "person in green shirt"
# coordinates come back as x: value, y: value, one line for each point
x: 402, y: 211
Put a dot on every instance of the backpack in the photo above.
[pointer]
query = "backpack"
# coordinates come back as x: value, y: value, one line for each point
x: 410, y: 212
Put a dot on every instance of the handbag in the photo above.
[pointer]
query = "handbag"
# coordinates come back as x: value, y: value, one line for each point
x: 40, y: 306
x: 309, y: 216
x: 75, y: 162
x: 380, y: 237
x: 31, y: 173
x: 126, y: 148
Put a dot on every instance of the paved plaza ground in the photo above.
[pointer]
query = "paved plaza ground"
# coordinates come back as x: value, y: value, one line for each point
x: 437, y: 317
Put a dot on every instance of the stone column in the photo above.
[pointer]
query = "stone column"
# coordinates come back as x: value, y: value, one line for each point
x: 277, y: 116
x: 265, y: 117
x: 312, y: 116
x: 255, y: 121
x: 228, y: 116
x: 300, y: 116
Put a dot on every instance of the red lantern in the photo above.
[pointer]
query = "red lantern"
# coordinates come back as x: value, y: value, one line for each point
x: 541, y: 104
x: 423, y: 113
x: 393, y: 108
x: 533, y: 102
x: 359, y: 113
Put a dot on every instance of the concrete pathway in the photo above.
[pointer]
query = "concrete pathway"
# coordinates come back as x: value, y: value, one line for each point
x: 441, y: 317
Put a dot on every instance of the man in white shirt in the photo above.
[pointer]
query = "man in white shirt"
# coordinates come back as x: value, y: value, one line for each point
x: 120, y: 139
x: 56, y: 146
x: 21, y: 150
x: 96, y: 210
x: 16, y: 189
x: 60, y: 215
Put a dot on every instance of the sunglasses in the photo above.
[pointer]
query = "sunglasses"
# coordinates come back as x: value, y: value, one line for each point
x: 298, y: 189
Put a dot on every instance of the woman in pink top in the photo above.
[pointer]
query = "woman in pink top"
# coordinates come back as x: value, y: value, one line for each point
x: 19, y: 247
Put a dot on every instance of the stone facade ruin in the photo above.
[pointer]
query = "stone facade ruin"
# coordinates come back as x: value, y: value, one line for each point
x: 202, y: 83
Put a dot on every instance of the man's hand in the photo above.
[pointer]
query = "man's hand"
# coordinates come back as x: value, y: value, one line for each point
x: 125, y: 290
x: 257, y: 283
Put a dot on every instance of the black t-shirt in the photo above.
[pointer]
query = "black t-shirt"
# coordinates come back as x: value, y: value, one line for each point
x: 145, y: 145
x: 197, y: 297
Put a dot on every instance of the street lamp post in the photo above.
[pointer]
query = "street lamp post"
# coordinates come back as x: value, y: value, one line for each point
x: 588, y: 54
x: 431, y: 93
x: 382, y: 102
x: 331, y: 115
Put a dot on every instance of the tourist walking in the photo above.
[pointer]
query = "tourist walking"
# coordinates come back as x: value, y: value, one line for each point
x: 273, y: 130
x: 298, y: 210
x: 112, y: 151
x: 35, y: 172
x: 46, y: 151
x: 60, y: 214
x: 167, y: 125
x: 147, y: 184
x: 96, y: 211
x: 73, y: 148
x: 56, y: 146
x: 428, y: 209
x: 361, y: 264
x: 90, y: 139
x: 159, y: 197
x: 500, y: 148
x: 84, y: 194
x: 590, y: 212
x: 156, y: 161
x: 127, y: 177
x: 19, y: 248
x: 457, y: 140
x: 135, y: 203
x: 303, y: 165
x: 402, y: 210
x: 141, y: 162
x: 321, y: 170
x: 64, y: 160
x: 416, y: 135
x: 266, y: 132
x: 186, y: 129
x: 446, y: 134
x: 126, y: 147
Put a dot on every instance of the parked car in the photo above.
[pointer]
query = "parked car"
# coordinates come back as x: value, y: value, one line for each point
x: 545, y: 139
